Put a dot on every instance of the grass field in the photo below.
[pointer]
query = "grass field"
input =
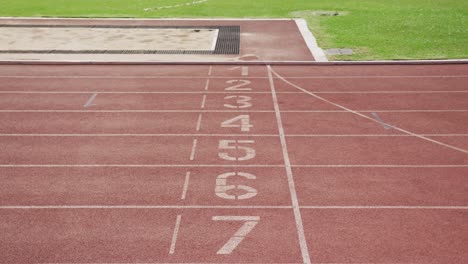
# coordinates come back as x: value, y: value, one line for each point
x: 375, y: 29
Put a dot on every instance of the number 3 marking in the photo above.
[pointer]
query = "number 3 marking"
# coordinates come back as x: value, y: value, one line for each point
x: 249, y: 224
x: 242, y: 101
x: 222, y: 187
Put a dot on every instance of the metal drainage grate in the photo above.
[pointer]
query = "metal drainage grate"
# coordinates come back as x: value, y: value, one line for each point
x: 228, y: 41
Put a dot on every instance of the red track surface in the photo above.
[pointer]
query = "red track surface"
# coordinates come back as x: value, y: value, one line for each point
x: 334, y: 164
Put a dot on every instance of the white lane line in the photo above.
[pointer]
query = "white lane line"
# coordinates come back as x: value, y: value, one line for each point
x: 287, y: 163
x: 134, y: 165
x: 210, y: 69
x: 228, y: 135
x: 385, y: 125
x: 225, y: 77
x: 369, y: 118
x: 388, y: 207
x: 229, y: 92
x: 186, y: 185
x: 227, y: 111
x: 207, y: 84
x: 194, y: 147
x: 90, y: 101
x: 199, y: 121
x: 175, y: 234
x: 203, y: 102
x: 381, y: 166
x: 141, y: 207
x: 230, y: 166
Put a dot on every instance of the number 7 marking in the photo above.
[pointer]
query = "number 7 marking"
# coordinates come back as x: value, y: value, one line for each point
x: 249, y: 223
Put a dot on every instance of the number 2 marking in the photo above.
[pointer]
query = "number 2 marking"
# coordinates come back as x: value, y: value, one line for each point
x: 240, y: 86
x: 249, y: 224
x: 241, y: 102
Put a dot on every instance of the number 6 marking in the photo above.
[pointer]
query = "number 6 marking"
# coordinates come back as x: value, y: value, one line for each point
x: 232, y: 145
x: 241, y: 233
x: 222, y: 187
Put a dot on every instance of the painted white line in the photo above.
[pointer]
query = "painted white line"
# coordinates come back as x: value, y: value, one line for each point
x: 186, y: 185
x: 207, y: 84
x: 192, y: 263
x: 228, y: 135
x: 386, y: 92
x: 90, y: 101
x: 175, y: 6
x: 233, y: 92
x: 203, y: 101
x: 379, y: 166
x: 138, y: 135
x: 140, y: 207
x: 310, y: 40
x: 225, y: 77
x: 175, y: 234
x: 135, y: 166
x: 229, y: 166
x: 210, y: 69
x: 226, y: 111
x: 369, y: 118
x: 194, y: 147
x: 199, y: 121
x: 389, y: 207
x: 230, y: 92
x: 287, y: 163
x: 375, y: 76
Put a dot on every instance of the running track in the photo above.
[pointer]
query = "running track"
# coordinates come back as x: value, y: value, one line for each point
x: 233, y: 163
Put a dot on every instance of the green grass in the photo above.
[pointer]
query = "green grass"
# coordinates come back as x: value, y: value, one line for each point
x: 376, y: 29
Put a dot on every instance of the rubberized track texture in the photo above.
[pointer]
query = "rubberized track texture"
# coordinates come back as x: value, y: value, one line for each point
x: 233, y: 164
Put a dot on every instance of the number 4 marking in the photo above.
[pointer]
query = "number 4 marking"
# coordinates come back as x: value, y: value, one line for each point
x: 249, y: 223
x: 244, y: 123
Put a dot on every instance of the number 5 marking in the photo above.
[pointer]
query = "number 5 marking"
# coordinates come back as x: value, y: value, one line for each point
x: 232, y: 145
x: 241, y: 233
x: 222, y: 187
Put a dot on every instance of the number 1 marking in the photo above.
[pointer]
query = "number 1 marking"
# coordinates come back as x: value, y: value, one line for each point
x: 249, y: 224
x: 244, y: 70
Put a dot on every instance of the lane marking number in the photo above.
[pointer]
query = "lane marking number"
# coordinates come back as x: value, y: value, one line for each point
x: 238, y: 85
x: 249, y: 224
x: 244, y: 70
x: 226, y: 145
x: 242, y: 101
x: 222, y: 187
x: 244, y: 123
